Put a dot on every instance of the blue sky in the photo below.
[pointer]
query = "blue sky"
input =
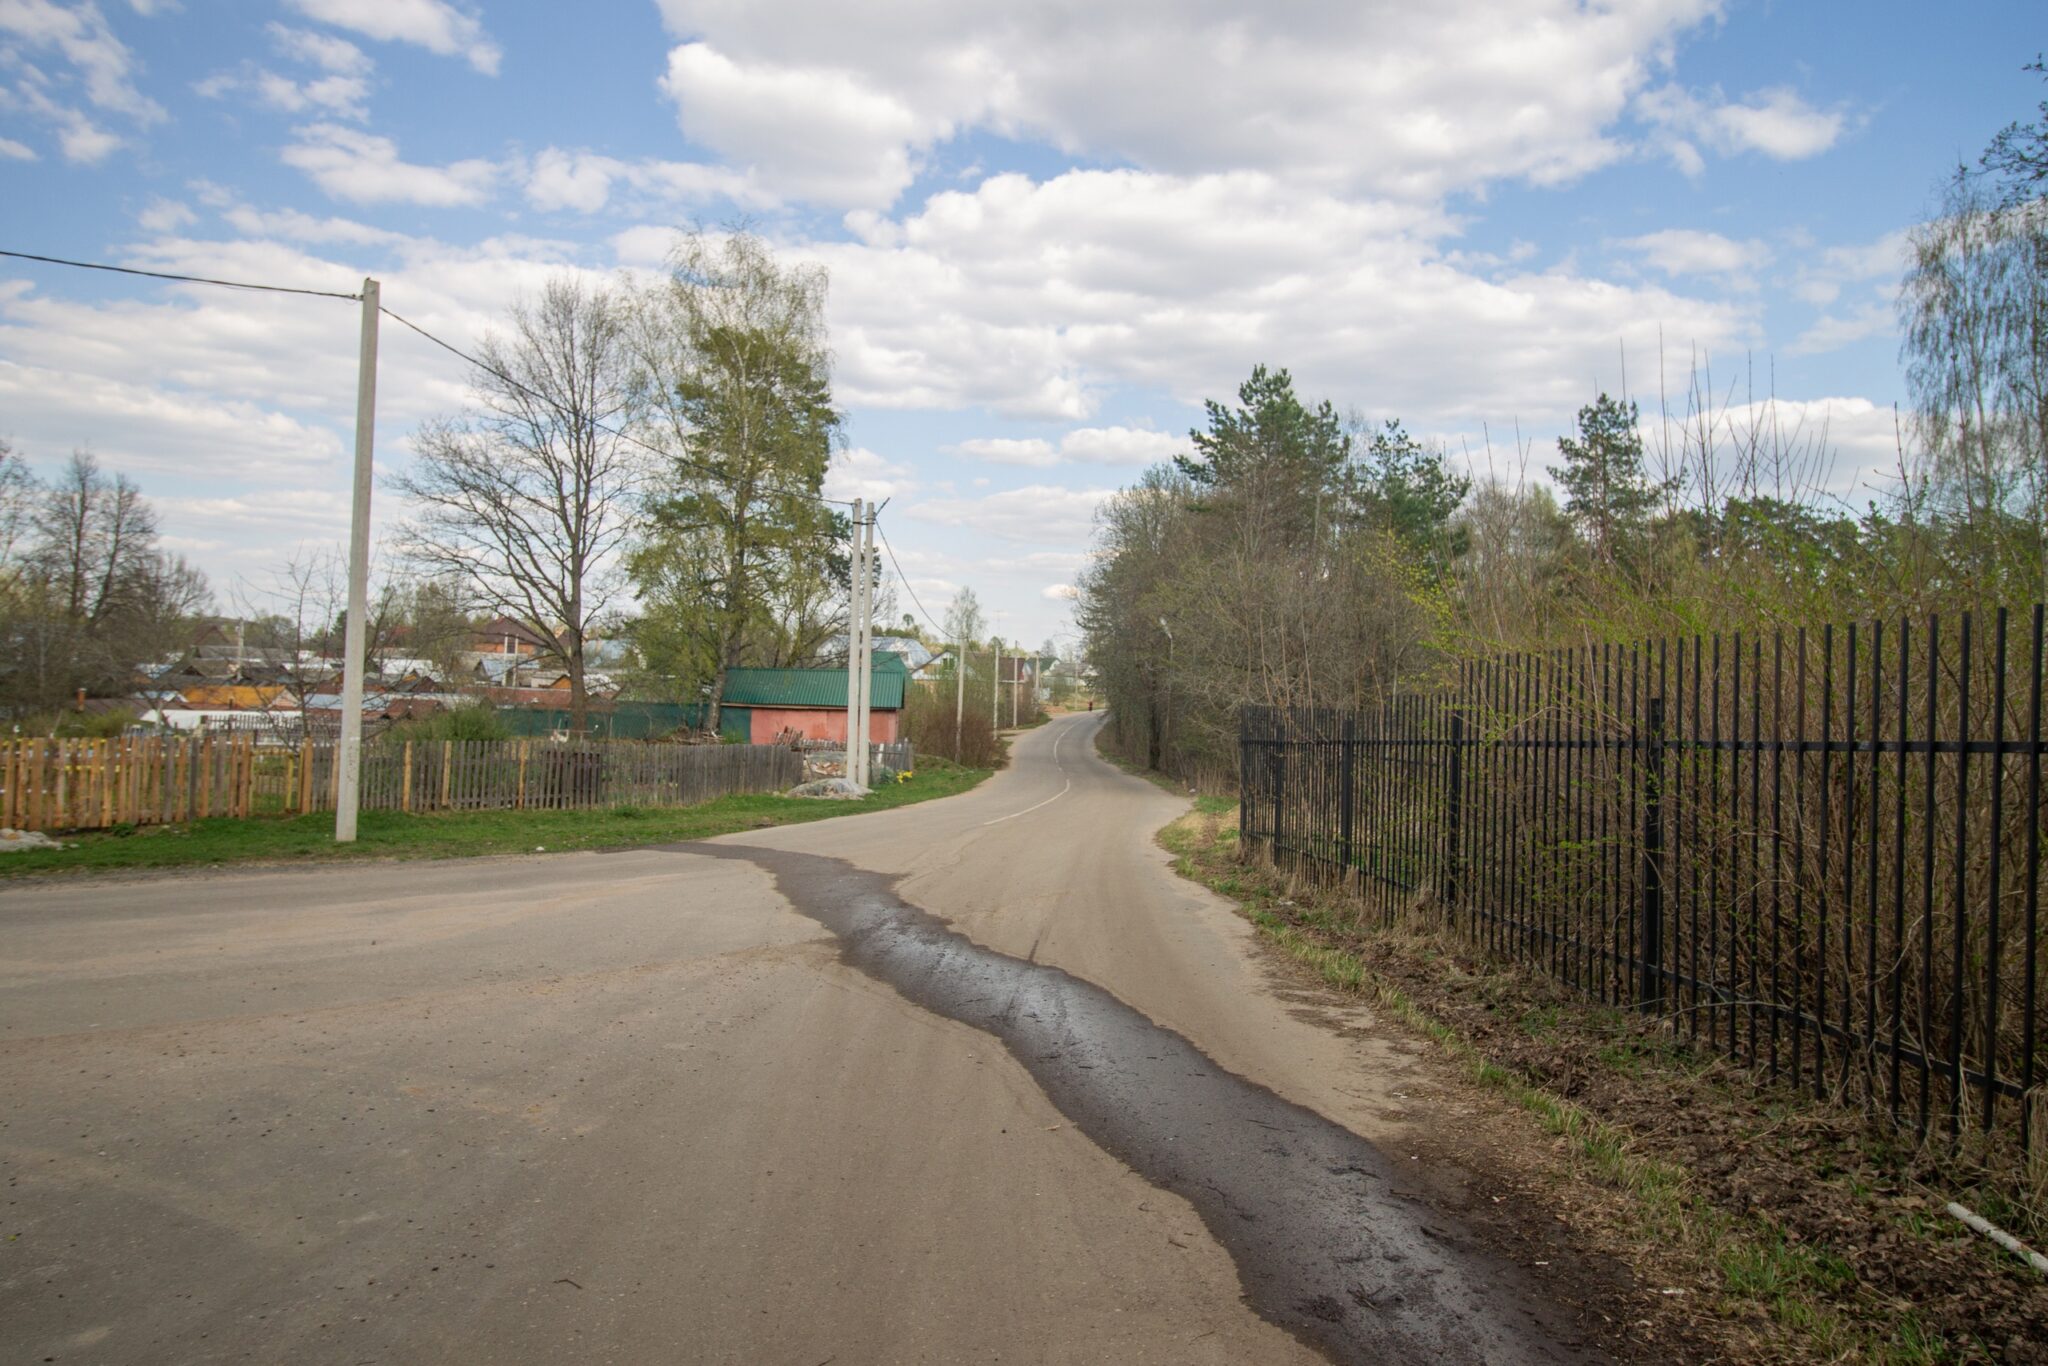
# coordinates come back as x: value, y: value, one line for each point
x: 1052, y: 228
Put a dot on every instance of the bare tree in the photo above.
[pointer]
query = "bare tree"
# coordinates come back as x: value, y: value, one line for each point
x: 90, y: 596
x: 525, y: 499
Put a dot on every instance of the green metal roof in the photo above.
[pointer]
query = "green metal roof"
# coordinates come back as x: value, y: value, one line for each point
x: 815, y: 687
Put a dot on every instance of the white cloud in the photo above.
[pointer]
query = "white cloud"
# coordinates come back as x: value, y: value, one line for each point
x: 1775, y: 122
x: 80, y: 35
x: 1035, y: 299
x: 1059, y: 592
x: 811, y: 133
x: 1455, y: 94
x: 1119, y: 445
x: 340, y: 96
x: 337, y: 56
x: 165, y: 215
x: 432, y: 24
x: 1880, y: 263
x: 365, y: 169
x: 1083, y: 445
x: 1001, y: 450
x: 582, y: 182
x: 1834, y: 331
x: 1688, y: 251
x: 83, y: 141
x: 860, y: 473
x: 1037, y: 514
x: 11, y: 150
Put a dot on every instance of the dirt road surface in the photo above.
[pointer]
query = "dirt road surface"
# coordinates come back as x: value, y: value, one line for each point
x: 975, y: 1080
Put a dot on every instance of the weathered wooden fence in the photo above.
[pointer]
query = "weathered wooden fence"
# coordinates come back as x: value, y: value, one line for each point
x: 93, y: 784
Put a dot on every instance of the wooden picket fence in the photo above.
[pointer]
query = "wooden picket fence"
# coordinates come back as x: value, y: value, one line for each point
x: 95, y: 784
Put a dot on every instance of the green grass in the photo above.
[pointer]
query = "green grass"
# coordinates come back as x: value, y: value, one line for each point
x: 392, y: 835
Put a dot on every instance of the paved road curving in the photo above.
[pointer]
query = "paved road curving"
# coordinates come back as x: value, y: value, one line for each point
x: 977, y: 1080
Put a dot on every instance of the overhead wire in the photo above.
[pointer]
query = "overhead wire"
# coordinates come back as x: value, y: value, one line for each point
x: 447, y: 346
x: 185, y: 279
x: 625, y: 436
x: 904, y: 579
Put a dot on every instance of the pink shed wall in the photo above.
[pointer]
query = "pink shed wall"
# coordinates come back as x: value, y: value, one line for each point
x: 815, y: 723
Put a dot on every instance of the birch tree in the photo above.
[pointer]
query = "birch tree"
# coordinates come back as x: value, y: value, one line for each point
x: 740, y: 561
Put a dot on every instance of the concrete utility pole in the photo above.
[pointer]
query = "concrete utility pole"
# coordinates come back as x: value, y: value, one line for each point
x: 858, y: 587
x: 959, y: 696
x: 348, y: 790
x: 867, y: 645
x: 995, y: 686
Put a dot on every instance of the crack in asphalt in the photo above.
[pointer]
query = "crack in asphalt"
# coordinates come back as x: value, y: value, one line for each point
x: 1331, y: 1240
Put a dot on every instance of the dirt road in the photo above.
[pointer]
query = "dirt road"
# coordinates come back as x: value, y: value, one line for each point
x: 976, y: 1080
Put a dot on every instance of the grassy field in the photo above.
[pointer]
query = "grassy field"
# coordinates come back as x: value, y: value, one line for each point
x: 392, y: 835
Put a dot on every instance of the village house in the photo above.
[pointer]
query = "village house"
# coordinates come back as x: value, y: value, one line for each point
x: 770, y: 706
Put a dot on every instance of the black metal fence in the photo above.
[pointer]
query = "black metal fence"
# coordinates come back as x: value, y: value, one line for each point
x: 1818, y: 853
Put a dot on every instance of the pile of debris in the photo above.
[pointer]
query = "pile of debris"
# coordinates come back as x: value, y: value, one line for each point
x: 20, y: 841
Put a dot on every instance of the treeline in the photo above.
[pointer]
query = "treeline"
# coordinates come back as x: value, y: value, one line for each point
x: 87, y: 591
x: 1294, y: 558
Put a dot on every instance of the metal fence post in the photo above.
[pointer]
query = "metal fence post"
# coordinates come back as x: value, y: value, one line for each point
x: 1347, y: 801
x: 1454, y: 812
x: 1650, y: 994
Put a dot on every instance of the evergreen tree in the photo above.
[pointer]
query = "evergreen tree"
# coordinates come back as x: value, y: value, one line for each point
x: 1608, y: 495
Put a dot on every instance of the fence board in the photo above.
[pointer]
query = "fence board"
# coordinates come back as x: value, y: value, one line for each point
x: 91, y: 784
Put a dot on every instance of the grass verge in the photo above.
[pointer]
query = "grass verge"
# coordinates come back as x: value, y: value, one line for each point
x: 465, y: 834
x: 1788, y: 1239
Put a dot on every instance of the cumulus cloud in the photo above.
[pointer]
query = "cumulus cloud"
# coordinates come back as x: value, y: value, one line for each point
x: 559, y: 179
x: 858, y: 472
x: 1083, y: 445
x: 817, y: 134
x: 1036, y: 298
x: 1776, y: 122
x: 1456, y: 94
x: 366, y: 169
x: 1037, y: 514
x: 435, y: 25
x: 10, y: 150
x: 1688, y: 251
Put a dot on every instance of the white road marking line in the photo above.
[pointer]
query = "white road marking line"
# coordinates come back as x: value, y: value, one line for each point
x: 1029, y: 809
x: 1049, y: 800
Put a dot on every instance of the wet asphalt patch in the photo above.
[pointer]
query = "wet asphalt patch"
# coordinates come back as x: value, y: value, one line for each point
x: 1332, y: 1240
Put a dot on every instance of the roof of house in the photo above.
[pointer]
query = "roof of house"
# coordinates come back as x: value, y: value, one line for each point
x: 231, y: 695
x: 815, y: 687
x: 497, y: 628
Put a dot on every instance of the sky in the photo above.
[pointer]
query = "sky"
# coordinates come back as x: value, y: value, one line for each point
x: 1052, y: 229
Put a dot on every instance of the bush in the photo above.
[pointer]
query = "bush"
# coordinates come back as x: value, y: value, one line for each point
x: 928, y: 723
x: 470, y: 721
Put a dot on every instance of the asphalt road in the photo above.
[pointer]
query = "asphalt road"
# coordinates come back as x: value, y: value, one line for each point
x: 974, y: 1080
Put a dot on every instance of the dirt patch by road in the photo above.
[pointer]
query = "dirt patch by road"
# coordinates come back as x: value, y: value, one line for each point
x: 1759, y: 1225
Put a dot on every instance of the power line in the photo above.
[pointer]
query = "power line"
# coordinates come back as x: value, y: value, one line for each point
x: 625, y: 436
x: 904, y: 579
x: 184, y: 279
x: 407, y: 322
